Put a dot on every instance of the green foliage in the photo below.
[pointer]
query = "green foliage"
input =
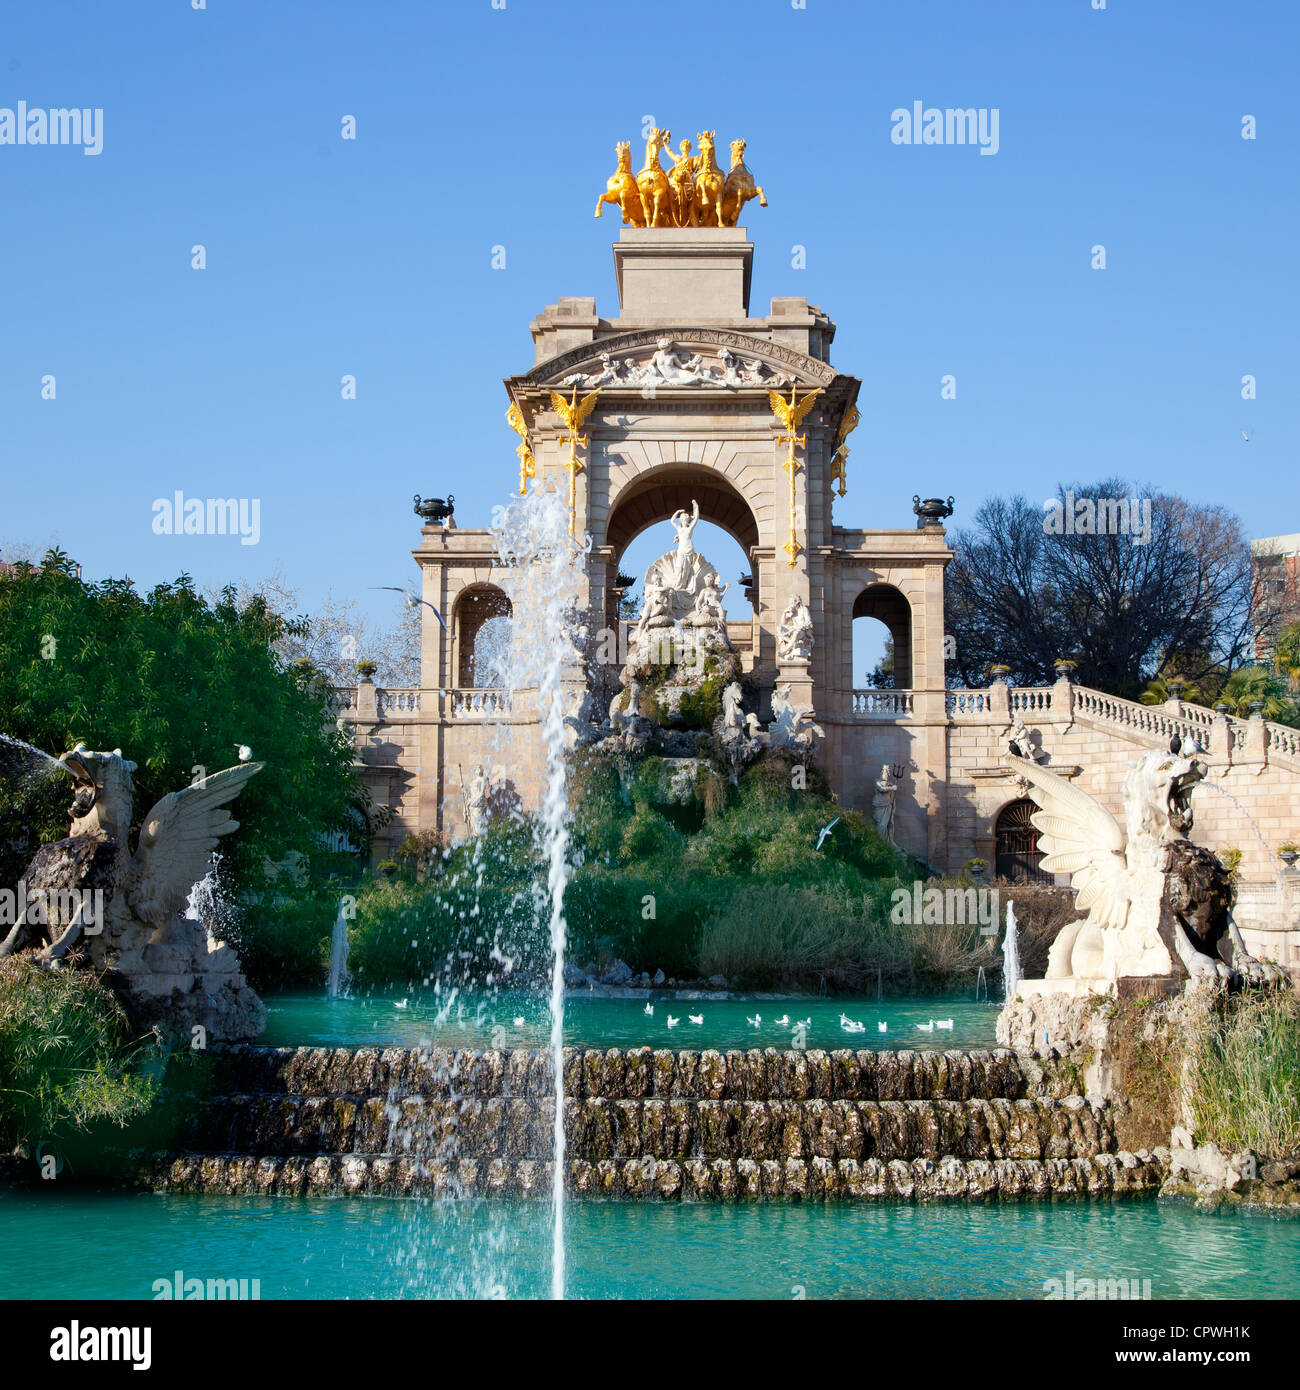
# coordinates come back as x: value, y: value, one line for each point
x: 67, y: 1056
x: 1243, y: 1080
x: 175, y: 682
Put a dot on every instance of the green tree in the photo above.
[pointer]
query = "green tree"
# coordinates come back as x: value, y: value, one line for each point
x: 177, y: 683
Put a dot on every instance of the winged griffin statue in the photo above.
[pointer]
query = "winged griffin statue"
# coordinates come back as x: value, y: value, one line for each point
x: 127, y: 910
x: 1157, y: 904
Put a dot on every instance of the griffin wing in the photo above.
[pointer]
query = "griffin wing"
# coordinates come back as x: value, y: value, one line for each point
x: 177, y: 838
x: 780, y: 407
x: 561, y: 407
x: 1080, y: 837
x: 585, y: 406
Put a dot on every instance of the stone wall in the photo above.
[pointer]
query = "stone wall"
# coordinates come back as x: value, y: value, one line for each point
x: 847, y: 1125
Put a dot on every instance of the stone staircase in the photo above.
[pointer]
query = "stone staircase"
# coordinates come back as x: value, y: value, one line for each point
x: 660, y: 1125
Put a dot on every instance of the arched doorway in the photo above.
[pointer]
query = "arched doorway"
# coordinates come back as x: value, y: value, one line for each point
x: 483, y: 615
x: 889, y: 608
x: 1017, y: 854
x: 652, y: 499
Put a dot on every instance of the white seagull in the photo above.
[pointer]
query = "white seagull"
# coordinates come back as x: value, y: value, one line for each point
x: 519, y: 1022
x: 943, y: 1023
x: 673, y: 1022
x: 826, y: 830
x: 401, y: 1003
x: 882, y: 1027
x: 783, y: 1021
x: 755, y: 1021
x: 649, y: 1010
x: 805, y: 1022
x: 926, y: 1027
x: 245, y: 752
x: 412, y: 600
x: 696, y: 1018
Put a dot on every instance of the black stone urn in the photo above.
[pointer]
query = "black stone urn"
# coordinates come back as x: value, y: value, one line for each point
x: 932, y: 512
x: 434, y: 510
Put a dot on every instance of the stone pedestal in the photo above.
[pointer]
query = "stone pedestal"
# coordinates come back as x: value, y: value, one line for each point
x: 686, y: 274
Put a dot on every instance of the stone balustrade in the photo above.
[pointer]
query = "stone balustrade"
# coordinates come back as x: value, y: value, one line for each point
x: 392, y: 703
x: 479, y: 704
x: 882, y: 704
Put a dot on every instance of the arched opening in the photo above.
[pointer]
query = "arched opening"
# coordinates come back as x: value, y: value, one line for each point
x: 1018, y: 856
x: 726, y: 533
x: 482, y: 637
x: 882, y: 638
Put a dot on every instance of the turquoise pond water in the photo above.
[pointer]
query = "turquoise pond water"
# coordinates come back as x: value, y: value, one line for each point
x: 115, y: 1246
x: 597, y: 1021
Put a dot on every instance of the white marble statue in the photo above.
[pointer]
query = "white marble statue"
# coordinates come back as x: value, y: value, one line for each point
x: 1022, y: 743
x: 670, y: 365
x: 882, y: 803
x: 1155, y: 901
x: 733, y: 719
x: 618, y: 718
x: 476, y: 796
x: 708, y: 611
x: 794, y: 634
x: 792, y: 725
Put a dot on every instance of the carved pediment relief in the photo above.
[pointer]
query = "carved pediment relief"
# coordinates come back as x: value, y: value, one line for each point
x: 695, y: 357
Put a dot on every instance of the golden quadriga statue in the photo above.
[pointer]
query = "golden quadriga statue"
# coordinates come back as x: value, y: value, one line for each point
x: 693, y: 193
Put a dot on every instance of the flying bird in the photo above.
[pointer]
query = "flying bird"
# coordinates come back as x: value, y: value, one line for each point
x: 1245, y: 436
x: 826, y: 830
x: 412, y: 600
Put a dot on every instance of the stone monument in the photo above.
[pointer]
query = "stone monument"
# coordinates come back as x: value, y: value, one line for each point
x: 171, y: 974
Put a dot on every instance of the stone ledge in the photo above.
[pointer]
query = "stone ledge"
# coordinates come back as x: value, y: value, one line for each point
x: 1109, y: 1175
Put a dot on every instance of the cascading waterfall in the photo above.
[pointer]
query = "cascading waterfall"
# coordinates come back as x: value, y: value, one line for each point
x: 1011, y: 955
x: 338, y: 976
x: 545, y: 575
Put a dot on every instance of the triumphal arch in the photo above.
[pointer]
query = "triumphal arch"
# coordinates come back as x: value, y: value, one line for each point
x: 692, y: 399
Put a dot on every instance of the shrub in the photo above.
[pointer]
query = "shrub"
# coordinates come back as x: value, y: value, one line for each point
x: 1243, y: 1077
x: 68, y: 1059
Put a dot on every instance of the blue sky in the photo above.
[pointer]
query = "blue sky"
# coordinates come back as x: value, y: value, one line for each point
x: 479, y: 127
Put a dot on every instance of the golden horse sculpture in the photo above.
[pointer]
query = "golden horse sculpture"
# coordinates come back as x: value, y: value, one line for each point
x: 621, y: 189
x: 693, y: 193
x: 652, y: 184
x: 740, y: 187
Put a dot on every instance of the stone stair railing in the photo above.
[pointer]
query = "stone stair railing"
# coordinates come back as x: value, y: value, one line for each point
x: 1224, y: 736
x: 642, y: 1124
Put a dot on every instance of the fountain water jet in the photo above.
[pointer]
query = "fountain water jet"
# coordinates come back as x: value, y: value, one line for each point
x: 338, y: 974
x: 1010, y: 956
x: 545, y: 577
